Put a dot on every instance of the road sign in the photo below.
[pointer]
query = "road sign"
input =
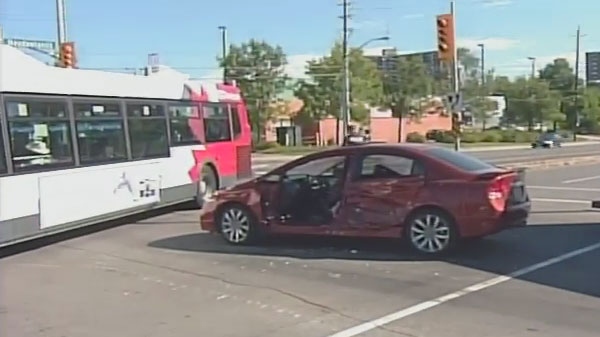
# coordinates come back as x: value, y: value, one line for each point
x: 455, y: 101
x: 31, y: 44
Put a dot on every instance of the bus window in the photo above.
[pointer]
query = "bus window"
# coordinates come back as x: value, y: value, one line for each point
x: 2, y: 153
x: 147, y: 131
x: 100, y: 132
x: 40, y: 133
x: 216, y: 123
x: 236, y: 125
x: 185, y: 124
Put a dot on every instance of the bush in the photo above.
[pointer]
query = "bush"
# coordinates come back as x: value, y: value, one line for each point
x: 471, y: 137
x: 492, y: 136
x: 488, y: 136
x: 446, y: 137
x: 415, y: 137
x: 266, y: 146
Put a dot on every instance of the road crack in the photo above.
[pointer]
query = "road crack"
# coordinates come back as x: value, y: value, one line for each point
x: 224, y: 280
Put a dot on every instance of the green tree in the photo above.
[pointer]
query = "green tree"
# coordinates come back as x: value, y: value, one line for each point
x: 258, y: 68
x: 530, y: 101
x: 559, y: 75
x: 590, y: 114
x: 469, y: 62
x: 406, y: 85
x: 322, y: 92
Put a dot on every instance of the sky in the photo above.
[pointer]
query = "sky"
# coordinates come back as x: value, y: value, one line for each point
x: 119, y: 34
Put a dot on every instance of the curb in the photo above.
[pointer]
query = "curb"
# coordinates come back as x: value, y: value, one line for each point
x: 275, y: 156
x: 552, y: 163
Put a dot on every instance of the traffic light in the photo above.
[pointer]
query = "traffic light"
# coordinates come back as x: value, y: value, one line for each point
x: 445, y: 35
x: 67, y: 55
x: 456, y: 123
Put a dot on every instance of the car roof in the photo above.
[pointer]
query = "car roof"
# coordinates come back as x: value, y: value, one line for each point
x: 374, y: 147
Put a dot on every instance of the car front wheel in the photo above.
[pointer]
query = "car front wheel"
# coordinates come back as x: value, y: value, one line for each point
x: 237, y: 224
x: 431, y: 232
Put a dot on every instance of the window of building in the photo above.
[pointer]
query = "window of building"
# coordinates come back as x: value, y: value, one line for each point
x: 100, y: 132
x: 216, y: 123
x: 186, y: 124
x: 147, y: 131
x: 39, y: 133
x: 236, y: 125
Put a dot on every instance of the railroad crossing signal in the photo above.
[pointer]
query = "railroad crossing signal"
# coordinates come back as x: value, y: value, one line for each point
x: 67, y: 55
x: 445, y: 35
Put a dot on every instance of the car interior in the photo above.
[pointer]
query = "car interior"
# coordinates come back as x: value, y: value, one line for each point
x: 311, y: 198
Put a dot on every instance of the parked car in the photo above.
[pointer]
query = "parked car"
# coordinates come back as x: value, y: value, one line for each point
x: 548, y: 140
x: 429, y: 196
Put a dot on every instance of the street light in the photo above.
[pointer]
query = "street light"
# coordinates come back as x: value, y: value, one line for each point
x: 346, y: 87
x: 381, y: 38
x: 223, y: 30
x: 482, y: 47
x: 532, y: 59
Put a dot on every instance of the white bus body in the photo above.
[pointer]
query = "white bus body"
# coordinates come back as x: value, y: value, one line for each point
x: 76, y: 170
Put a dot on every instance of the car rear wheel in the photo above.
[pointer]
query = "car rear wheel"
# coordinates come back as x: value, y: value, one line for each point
x: 237, y: 224
x: 431, y: 232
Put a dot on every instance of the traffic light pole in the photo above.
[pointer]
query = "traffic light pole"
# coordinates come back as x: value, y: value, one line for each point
x: 61, y: 24
x: 455, y: 78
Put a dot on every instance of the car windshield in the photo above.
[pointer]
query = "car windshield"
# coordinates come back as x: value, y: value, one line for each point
x: 461, y: 160
x: 548, y: 136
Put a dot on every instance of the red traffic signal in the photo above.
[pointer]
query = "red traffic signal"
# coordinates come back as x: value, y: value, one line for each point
x: 445, y: 35
x: 67, y: 55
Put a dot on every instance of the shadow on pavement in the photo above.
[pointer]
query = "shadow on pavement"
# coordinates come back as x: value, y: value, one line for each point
x: 500, y: 254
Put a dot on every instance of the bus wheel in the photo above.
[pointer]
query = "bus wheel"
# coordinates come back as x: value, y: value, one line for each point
x: 207, y: 185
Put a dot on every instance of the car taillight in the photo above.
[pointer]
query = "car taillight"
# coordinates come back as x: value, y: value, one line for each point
x: 499, y: 191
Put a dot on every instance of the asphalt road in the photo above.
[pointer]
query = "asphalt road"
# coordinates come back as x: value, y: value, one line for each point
x: 162, y: 277
x: 264, y: 163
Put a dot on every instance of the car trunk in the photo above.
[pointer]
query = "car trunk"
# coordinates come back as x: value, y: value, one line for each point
x: 518, y: 192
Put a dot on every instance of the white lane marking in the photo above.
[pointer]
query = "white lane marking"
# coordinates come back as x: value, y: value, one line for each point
x: 579, y: 180
x: 398, y: 315
x: 564, y: 201
x: 556, y: 188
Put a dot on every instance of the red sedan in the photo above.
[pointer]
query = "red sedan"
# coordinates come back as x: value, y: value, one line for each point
x: 430, y: 196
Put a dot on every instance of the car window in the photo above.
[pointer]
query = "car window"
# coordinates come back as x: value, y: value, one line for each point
x: 320, y: 166
x: 388, y: 166
x: 461, y: 160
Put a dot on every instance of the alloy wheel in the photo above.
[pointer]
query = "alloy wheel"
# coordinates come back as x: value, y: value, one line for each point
x: 430, y: 233
x: 235, y: 225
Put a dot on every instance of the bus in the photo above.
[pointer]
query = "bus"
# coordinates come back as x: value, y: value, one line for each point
x: 85, y: 146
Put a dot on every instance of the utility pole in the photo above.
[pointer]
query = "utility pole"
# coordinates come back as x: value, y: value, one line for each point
x: 455, y: 78
x: 223, y: 30
x: 61, y: 22
x: 346, y: 76
x: 482, y: 65
x: 576, y: 84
